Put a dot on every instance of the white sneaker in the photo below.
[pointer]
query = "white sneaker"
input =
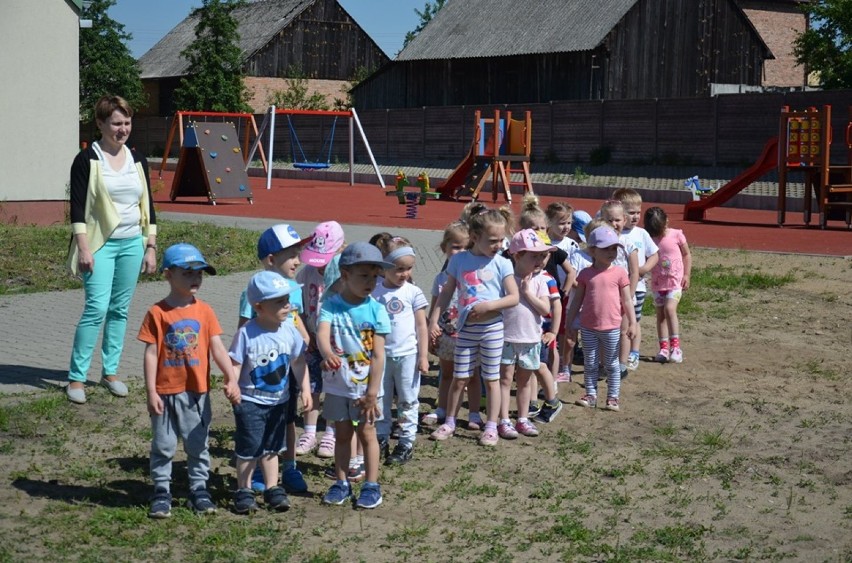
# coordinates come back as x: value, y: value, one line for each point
x: 663, y: 355
x: 677, y: 355
x: 633, y: 361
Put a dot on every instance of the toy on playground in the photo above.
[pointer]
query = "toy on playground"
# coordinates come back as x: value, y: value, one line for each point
x: 411, y: 199
x: 693, y: 184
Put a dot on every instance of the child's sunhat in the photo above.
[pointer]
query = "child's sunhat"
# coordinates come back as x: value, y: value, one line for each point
x: 528, y: 240
x: 327, y: 240
x: 603, y: 237
x: 578, y: 223
x: 277, y: 238
x: 186, y: 256
x: 363, y: 253
x: 269, y: 285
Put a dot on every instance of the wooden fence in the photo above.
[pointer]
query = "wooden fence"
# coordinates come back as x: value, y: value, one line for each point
x: 727, y: 129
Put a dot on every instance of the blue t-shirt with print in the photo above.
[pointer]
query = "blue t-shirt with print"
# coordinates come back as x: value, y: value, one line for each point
x: 265, y: 357
x: 478, y: 279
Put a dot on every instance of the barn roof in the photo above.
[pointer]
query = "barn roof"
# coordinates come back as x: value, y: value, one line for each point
x: 495, y: 28
x: 259, y: 21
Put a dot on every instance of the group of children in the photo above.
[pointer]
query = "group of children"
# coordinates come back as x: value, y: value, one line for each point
x: 350, y: 331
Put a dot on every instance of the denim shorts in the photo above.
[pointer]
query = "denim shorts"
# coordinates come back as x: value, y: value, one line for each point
x: 526, y: 356
x: 314, y: 359
x: 261, y: 429
x: 336, y: 408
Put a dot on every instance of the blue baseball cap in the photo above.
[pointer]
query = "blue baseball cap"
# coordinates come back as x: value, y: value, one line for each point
x: 363, y: 253
x: 186, y: 256
x: 277, y: 238
x: 269, y: 285
x: 578, y: 223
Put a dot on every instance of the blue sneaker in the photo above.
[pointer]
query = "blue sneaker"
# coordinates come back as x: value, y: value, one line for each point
x: 338, y: 493
x: 370, y: 497
x: 258, y: 483
x: 293, y: 480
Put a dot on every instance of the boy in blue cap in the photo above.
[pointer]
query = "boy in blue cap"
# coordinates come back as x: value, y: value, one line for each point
x: 267, y: 349
x: 181, y: 333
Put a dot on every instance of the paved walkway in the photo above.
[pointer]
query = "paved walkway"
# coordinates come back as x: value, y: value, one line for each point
x: 37, y: 330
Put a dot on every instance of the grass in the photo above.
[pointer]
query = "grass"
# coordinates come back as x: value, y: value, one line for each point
x: 229, y: 249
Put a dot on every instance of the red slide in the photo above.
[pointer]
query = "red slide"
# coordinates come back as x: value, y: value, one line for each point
x: 694, y: 210
x: 458, y: 177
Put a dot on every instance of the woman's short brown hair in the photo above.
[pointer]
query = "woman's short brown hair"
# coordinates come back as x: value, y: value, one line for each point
x: 105, y: 107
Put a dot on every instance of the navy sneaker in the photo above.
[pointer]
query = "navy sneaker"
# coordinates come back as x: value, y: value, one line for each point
x: 161, y: 504
x: 293, y: 480
x: 258, y: 483
x: 400, y: 455
x: 200, y: 501
x: 535, y: 408
x: 548, y: 411
x: 244, y: 501
x: 338, y: 493
x: 276, y: 499
x: 370, y: 497
x: 384, y: 447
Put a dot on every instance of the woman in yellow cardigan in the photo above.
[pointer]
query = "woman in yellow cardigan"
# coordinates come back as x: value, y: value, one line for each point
x: 114, y: 237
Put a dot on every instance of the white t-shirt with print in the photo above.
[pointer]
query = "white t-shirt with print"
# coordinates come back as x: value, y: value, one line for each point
x: 400, y: 303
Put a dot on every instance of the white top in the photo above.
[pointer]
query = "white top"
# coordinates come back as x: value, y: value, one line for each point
x: 313, y: 286
x: 645, y: 246
x: 522, y: 323
x: 621, y: 259
x: 125, y: 189
x: 568, y: 245
x: 400, y: 303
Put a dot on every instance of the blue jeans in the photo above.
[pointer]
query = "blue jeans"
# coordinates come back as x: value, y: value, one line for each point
x: 109, y: 289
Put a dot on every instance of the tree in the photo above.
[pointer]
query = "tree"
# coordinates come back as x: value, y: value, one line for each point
x: 295, y: 95
x: 826, y: 47
x: 106, y: 65
x: 429, y: 11
x: 215, y: 79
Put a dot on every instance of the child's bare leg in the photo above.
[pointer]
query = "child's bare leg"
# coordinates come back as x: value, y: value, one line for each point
x: 545, y: 379
x: 522, y: 378
x: 623, y: 343
x: 312, y: 416
x: 507, y: 376
x: 245, y: 467
x: 672, y: 322
x: 343, y: 448
x: 444, y: 383
x: 553, y: 359
x: 454, y: 396
x: 269, y: 465
x: 569, y: 342
x: 368, y: 443
x: 662, y: 324
x: 290, y: 454
x: 474, y: 392
x: 492, y: 400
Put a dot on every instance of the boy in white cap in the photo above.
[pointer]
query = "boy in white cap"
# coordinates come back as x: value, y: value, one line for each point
x: 269, y: 352
x: 351, y: 338
x: 181, y: 333
x: 278, y: 250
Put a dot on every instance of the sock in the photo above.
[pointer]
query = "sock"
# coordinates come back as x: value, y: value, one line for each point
x: 523, y: 420
x: 552, y: 403
x: 371, y: 484
x: 288, y: 464
x: 475, y: 416
x: 633, y: 353
x: 675, y: 340
x: 359, y: 459
x: 492, y: 426
x: 451, y: 422
x: 353, y: 462
x: 505, y: 421
x: 329, y: 429
x: 310, y: 429
x: 441, y: 413
x: 664, y: 344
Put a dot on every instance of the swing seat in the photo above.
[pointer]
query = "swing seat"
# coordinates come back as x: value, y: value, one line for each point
x: 311, y: 165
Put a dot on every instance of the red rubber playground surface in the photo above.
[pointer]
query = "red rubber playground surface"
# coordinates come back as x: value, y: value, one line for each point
x: 309, y: 200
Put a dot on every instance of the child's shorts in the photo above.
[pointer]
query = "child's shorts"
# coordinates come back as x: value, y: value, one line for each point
x: 660, y: 297
x: 343, y: 409
x: 445, y: 347
x: 637, y: 306
x: 314, y: 359
x: 526, y: 356
x: 261, y: 429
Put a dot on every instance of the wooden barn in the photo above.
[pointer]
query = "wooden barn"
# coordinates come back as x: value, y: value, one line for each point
x: 506, y: 51
x: 317, y: 37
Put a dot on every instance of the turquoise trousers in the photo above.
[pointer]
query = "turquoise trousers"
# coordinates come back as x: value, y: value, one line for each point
x: 109, y: 289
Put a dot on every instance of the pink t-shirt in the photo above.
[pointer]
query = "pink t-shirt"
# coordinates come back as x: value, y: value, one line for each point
x: 522, y: 323
x: 667, y: 275
x: 602, y: 302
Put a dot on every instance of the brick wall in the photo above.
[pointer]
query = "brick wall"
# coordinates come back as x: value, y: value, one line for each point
x: 778, y: 23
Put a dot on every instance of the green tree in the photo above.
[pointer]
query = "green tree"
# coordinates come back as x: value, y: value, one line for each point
x: 826, y: 47
x: 215, y: 78
x: 106, y: 65
x: 295, y: 94
x: 429, y: 11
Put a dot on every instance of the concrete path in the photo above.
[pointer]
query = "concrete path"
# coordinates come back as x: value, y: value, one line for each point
x: 37, y: 330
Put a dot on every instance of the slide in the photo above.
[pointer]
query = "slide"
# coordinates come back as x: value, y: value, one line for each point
x: 694, y: 210
x: 458, y: 177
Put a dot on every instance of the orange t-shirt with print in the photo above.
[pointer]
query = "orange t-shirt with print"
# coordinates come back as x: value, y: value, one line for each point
x: 182, y: 336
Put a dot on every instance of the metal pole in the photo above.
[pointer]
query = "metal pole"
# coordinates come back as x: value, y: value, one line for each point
x: 367, y: 146
x: 351, y: 152
x: 271, y: 141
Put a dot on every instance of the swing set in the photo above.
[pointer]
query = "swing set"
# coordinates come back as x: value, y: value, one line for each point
x: 323, y: 159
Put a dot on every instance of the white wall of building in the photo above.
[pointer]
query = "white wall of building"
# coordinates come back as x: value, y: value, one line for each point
x: 39, y: 116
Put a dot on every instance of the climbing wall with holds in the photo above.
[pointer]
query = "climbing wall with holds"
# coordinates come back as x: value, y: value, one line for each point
x: 211, y: 164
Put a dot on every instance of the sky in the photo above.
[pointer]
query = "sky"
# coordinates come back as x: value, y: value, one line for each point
x: 386, y: 21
